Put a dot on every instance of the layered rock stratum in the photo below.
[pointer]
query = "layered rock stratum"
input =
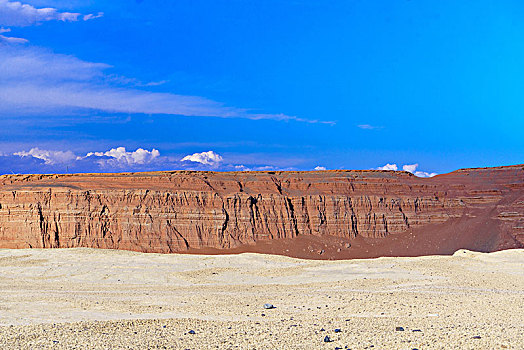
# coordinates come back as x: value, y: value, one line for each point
x: 318, y: 214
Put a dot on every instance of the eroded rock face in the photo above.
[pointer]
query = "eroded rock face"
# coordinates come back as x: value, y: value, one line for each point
x: 182, y: 211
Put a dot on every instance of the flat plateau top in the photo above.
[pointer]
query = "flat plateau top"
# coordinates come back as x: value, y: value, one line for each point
x: 257, y: 182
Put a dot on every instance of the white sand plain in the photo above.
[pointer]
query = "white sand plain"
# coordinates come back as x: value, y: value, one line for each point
x: 104, y: 299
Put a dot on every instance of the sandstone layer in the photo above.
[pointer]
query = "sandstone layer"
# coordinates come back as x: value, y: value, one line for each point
x: 319, y: 214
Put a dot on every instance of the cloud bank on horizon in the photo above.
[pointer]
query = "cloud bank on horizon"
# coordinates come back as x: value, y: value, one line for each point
x: 121, y: 160
x: 117, y: 159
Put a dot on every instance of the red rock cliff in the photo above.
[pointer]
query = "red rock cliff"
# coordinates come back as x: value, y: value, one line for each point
x: 343, y: 213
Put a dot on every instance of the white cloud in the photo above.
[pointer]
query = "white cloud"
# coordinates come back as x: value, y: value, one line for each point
x: 424, y: 174
x: 319, y: 168
x: 120, y: 155
x: 388, y: 167
x: 114, y: 157
x: 117, y: 159
x: 241, y: 167
x: 12, y: 40
x: 8, y: 39
x: 43, y: 67
x: 92, y: 16
x: 368, y: 127
x: 410, y: 168
x: 17, y: 14
x: 50, y: 157
x: 206, y: 158
x: 37, y: 81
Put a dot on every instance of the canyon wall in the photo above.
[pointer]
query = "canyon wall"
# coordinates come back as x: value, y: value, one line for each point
x: 188, y: 211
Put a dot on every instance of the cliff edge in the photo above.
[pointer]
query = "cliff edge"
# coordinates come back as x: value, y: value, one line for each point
x: 318, y: 214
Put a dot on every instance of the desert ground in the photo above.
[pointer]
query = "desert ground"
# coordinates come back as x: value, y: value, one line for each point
x: 107, y: 299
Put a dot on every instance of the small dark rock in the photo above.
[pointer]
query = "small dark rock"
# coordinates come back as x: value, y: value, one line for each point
x: 338, y: 330
x: 401, y: 329
x: 417, y: 330
x: 269, y: 306
x: 476, y: 337
x: 191, y: 332
x: 263, y: 314
x: 327, y: 339
x: 338, y: 348
x: 322, y: 329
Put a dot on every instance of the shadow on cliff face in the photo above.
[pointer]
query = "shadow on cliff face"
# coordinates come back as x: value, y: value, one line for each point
x: 438, y: 239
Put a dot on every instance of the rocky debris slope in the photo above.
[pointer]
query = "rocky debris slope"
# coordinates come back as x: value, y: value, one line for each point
x: 187, y: 211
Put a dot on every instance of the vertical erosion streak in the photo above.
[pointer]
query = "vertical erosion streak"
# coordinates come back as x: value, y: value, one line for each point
x: 354, y: 221
x: 105, y: 225
x: 293, y: 217
x: 180, y: 238
x: 224, y: 224
x: 277, y: 183
x: 404, y: 217
x: 43, y: 226
x: 252, y: 202
x: 57, y: 233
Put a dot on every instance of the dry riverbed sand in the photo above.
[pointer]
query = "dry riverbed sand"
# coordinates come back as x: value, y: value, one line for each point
x: 103, y: 299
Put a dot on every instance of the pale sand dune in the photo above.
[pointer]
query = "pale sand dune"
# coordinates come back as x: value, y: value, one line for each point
x: 87, y: 298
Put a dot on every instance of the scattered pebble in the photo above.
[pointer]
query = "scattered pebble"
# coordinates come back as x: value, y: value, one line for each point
x: 327, y: 339
x: 191, y: 332
x: 269, y: 306
x: 476, y: 337
x: 401, y: 329
x: 338, y: 330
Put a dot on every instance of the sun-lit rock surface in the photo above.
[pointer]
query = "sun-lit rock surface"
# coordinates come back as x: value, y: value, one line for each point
x: 320, y: 214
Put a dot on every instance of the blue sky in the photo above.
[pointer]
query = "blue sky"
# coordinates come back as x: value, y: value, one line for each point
x: 123, y: 85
